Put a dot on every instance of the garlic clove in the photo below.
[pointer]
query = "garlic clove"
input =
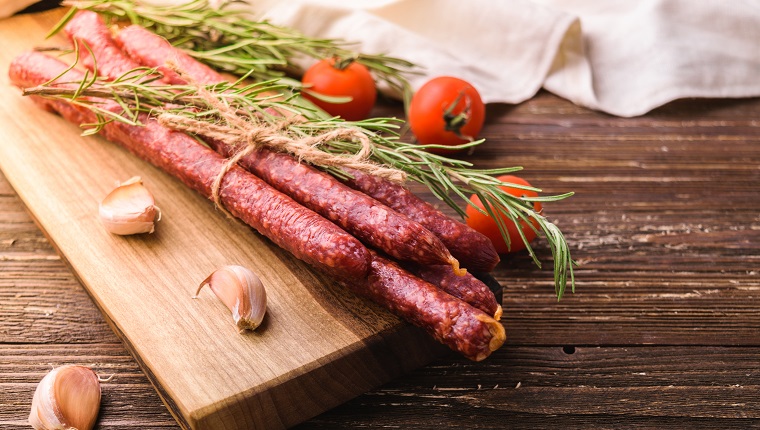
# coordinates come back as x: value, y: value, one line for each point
x: 68, y: 397
x: 242, y: 292
x: 129, y: 209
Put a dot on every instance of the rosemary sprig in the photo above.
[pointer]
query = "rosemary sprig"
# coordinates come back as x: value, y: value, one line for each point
x: 448, y: 178
x: 228, y: 40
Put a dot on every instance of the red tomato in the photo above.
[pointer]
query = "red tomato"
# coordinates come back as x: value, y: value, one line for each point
x: 487, y: 225
x: 446, y: 111
x: 351, y: 80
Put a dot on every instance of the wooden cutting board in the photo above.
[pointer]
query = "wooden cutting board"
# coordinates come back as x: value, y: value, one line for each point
x: 319, y: 345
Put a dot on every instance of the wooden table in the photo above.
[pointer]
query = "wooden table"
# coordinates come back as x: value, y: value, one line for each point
x: 663, y: 330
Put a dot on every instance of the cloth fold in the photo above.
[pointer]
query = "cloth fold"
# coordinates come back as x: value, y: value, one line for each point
x: 617, y: 56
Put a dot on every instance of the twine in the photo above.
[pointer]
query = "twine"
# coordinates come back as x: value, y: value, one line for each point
x: 251, y: 134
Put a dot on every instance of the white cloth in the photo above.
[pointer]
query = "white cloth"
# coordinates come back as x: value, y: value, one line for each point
x: 622, y: 57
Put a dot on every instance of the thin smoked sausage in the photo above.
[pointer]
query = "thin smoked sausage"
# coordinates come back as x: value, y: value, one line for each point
x: 88, y: 28
x: 151, y: 50
x: 456, y: 324
x: 466, y: 287
x: 473, y: 250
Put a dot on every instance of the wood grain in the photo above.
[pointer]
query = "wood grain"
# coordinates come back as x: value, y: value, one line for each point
x: 661, y: 333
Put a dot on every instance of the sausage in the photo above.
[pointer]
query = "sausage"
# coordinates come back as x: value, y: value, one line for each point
x: 367, y: 219
x: 304, y: 233
x: 473, y: 250
x: 151, y: 50
x: 88, y: 28
x: 456, y: 324
x: 467, y: 288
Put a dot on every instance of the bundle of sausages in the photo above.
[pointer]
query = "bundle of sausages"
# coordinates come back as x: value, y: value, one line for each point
x: 349, y: 230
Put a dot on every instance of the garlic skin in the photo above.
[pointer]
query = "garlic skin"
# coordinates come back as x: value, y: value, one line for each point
x: 68, y: 397
x: 242, y: 292
x: 129, y: 209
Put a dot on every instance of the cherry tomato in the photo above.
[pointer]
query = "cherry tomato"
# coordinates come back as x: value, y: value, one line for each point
x: 487, y: 225
x: 341, y: 79
x: 446, y: 111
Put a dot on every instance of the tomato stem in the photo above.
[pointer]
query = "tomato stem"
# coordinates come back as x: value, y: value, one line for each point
x: 454, y: 122
x: 343, y: 63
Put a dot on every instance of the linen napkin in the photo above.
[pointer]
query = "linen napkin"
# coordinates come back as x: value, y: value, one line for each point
x: 618, y: 56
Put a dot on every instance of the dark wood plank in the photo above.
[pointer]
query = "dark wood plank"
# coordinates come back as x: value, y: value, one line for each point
x: 657, y: 382
x: 40, y: 300
x: 601, y: 385
x: 126, y: 391
x: 541, y: 387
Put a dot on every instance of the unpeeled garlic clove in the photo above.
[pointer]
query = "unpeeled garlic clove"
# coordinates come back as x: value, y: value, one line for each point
x: 242, y: 292
x: 129, y: 209
x: 68, y: 397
